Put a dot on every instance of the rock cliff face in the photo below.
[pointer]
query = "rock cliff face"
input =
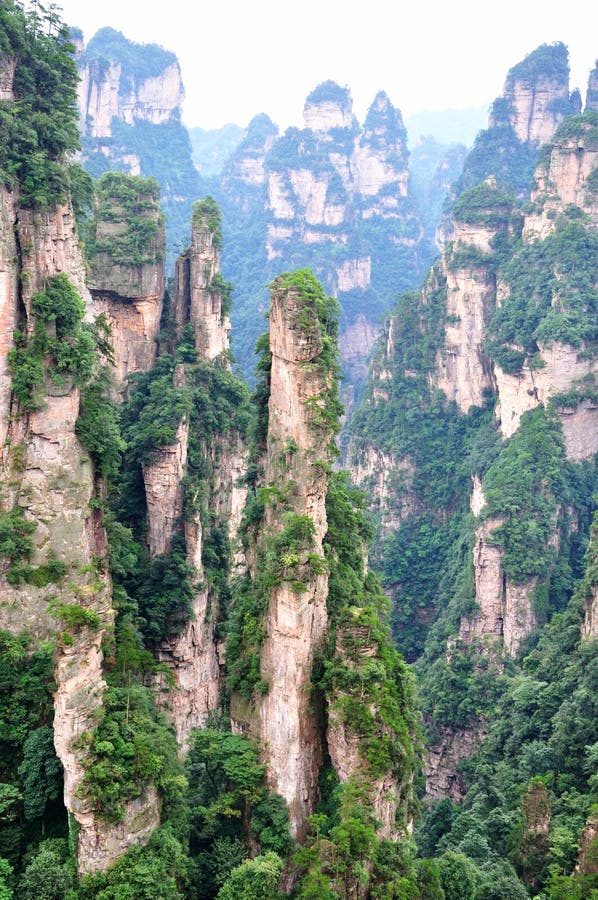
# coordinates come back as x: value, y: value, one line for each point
x: 441, y: 762
x: 126, y: 82
x: 296, y: 622
x: 8, y: 305
x: 464, y: 370
x: 587, y: 863
x: 506, y: 610
x: 309, y: 608
x: 463, y: 320
x: 564, y: 368
x: 192, y: 653
x: 198, y: 297
x: 53, y: 486
x: 245, y: 172
x: 108, y: 93
x: 537, y: 94
x: 130, y: 98
x: 534, y: 103
x: 561, y: 179
x: 127, y: 292
x: 334, y: 197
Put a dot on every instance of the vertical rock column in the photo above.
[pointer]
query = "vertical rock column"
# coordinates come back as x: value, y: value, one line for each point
x: 52, y: 481
x: 296, y: 620
x: 8, y: 306
x: 198, y: 287
x: 192, y: 654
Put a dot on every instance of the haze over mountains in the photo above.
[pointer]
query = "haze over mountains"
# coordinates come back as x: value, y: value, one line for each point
x: 227, y: 673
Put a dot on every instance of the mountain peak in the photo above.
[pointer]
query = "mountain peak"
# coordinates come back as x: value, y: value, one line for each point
x: 328, y: 106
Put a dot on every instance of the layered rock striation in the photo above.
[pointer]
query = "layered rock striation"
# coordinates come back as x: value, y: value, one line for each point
x: 126, y: 280
x: 333, y: 196
x: 50, y: 483
x: 201, y: 298
x: 130, y: 97
x: 177, y: 502
x: 298, y: 451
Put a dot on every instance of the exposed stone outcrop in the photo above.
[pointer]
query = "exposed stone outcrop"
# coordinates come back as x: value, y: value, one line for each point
x: 130, y: 104
x: 129, y: 292
x: 464, y: 372
x: 561, y: 179
x: 8, y: 305
x: 48, y: 243
x: 589, y: 627
x: 506, y: 613
x: 52, y: 481
x: 380, y: 158
x: 328, y: 106
x: 116, y: 90
x: 163, y: 480
x: 8, y: 65
x: 385, y: 792
x: 106, y: 843
x: 297, y: 618
x: 564, y: 368
x: 335, y: 197
x: 246, y: 169
x: 198, y: 292
x: 587, y: 863
x: 536, y: 95
x: 441, y: 762
x: 193, y: 655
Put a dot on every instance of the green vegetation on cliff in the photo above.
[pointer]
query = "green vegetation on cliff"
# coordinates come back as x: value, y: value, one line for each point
x: 532, y: 784
x: 137, y: 61
x: 38, y: 126
x: 162, y: 151
x: 552, y: 296
x: 548, y: 61
x: 126, y: 221
x: 528, y: 797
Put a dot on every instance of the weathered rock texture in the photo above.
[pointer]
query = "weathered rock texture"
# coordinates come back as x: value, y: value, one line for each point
x: 109, y: 92
x: 464, y: 372
x: 290, y: 736
x: 536, y: 95
x: 589, y: 628
x: 163, y: 480
x: 333, y: 196
x: 192, y: 654
x: 130, y: 100
x: 468, y: 291
x: 441, y: 762
x: 8, y: 305
x: 50, y: 477
x: 588, y: 848
x: 385, y: 792
x: 561, y: 180
x: 564, y: 369
x: 197, y: 297
x: 506, y: 611
x: 128, y: 293
x: 245, y: 171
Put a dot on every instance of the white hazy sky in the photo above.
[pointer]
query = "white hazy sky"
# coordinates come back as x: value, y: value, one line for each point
x: 242, y: 57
